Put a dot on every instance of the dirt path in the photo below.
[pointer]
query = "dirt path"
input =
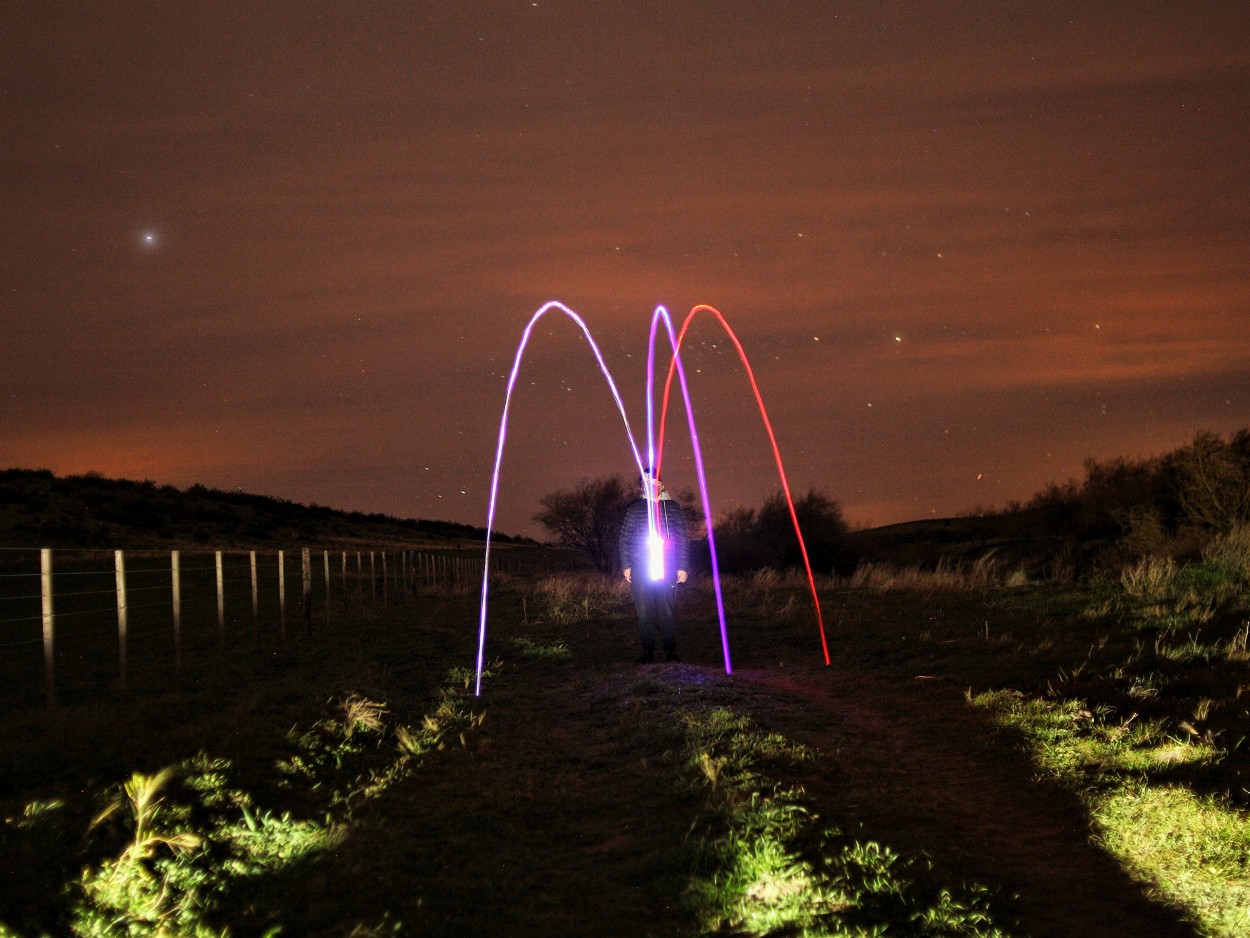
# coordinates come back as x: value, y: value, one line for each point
x: 560, y: 816
x: 966, y: 796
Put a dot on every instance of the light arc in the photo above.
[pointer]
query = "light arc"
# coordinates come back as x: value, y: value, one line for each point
x: 661, y: 315
x: 654, y: 453
x: 768, y: 426
x: 553, y: 305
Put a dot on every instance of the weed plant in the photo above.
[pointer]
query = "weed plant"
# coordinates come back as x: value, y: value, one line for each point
x: 1230, y: 552
x: 178, y: 844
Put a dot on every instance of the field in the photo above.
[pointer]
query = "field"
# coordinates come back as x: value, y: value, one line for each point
x: 984, y: 756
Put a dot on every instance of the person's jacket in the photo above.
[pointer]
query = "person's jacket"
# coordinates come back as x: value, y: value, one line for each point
x: 671, y: 524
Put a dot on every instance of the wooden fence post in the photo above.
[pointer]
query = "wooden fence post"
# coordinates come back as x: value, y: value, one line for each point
x: 49, y: 627
x: 221, y: 600
x: 175, y: 591
x: 119, y: 569
x: 373, y: 578
x: 325, y: 558
x: 255, y: 596
x: 281, y: 594
x: 385, y: 578
x: 306, y: 577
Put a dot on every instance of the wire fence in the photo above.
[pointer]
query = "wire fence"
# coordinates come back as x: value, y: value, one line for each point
x: 87, y: 620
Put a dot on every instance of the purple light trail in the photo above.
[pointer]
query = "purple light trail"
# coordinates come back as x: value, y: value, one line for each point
x: 781, y: 471
x: 662, y: 314
x: 503, y: 433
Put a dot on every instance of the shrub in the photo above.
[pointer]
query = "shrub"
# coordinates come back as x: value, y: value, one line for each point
x: 1231, y: 552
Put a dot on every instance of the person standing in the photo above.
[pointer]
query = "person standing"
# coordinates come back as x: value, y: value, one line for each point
x: 654, y: 568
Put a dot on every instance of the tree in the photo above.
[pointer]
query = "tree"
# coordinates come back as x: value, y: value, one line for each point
x: 588, y: 517
x: 1212, y: 481
x: 747, y: 539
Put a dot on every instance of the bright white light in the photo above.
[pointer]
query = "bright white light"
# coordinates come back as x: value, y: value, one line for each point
x: 655, y: 551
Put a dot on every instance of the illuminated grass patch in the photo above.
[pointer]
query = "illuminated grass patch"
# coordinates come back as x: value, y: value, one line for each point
x: 170, y: 848
x: 1193, y: 851
x: 768, y: 866
x: 554, y: 650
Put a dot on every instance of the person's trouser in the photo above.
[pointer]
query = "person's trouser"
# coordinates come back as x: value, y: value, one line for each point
x: 654, y: 602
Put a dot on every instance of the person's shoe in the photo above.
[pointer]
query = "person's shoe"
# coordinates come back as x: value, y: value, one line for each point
x: 647, y: 658
x: 671, y: 656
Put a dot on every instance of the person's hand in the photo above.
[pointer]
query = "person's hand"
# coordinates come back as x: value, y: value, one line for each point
x: 682, y: 576
x: 628, y: 575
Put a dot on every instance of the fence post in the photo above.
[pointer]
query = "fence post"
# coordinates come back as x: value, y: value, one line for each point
x: 373, y: 578
x: 119, y: 569
x: 360, y: 582
x: 306, y: 576
x: 49, y: 627
x: 385, y: 578
x: 325, y: 557
x: 175, y: 588
x: 255, y: 596
x: 221, y: 600
x: 281, y: 595
x: 344, y: 581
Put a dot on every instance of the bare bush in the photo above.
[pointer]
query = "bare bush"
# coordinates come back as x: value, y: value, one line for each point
x: 588, y: 517
x: 1212, y: 481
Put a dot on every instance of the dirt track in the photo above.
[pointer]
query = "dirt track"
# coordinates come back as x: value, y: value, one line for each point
x: 966, y: 795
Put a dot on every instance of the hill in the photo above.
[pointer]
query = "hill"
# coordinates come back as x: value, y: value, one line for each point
x: 1170, y: 506
x: 1017, y: 539
x: 40, y: 509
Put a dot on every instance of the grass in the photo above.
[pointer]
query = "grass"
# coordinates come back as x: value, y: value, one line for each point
x: 1152, y: 738
x: 348, y: 784
x: 754, y: 875
x: 1192, y: 849
x: 946, y: 576
x: 166, y: 860
x: 576, y: 598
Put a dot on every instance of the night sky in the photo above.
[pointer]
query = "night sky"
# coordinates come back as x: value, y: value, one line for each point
x: 291, y: 248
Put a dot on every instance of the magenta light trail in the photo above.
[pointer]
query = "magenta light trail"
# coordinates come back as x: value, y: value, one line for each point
x: 781, y: 472
x: 503, y: 432
x: 662, y: 314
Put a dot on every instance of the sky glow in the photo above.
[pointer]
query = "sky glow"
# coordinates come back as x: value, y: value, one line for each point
x: 1019, y: 232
